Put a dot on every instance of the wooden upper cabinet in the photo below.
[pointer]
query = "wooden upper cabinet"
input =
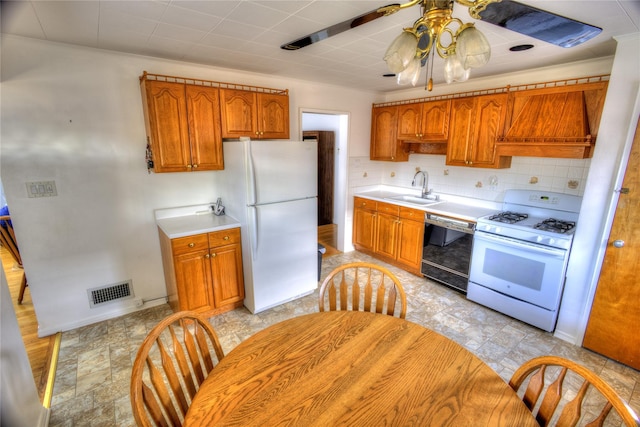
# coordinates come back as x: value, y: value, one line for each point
x: 409, y: 121
x: 424, y: 122
x: 476, y: 123
x: 273, y: 115
x: 254, y: 114
x: 183, y: 126
x: 384, y: 143
x: 205, y: 138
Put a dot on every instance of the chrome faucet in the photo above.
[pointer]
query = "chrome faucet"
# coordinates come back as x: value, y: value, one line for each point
x: 425, y: 183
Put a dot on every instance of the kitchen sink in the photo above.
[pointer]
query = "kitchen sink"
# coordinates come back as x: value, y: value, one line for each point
x: 415, y: 200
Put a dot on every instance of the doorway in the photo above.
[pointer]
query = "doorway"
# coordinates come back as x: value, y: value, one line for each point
x: 337, y: 123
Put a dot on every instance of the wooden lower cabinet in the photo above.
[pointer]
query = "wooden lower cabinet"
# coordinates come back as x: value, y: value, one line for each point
x: 389, y: 232
x: 364, y: 224
x: 203, y: 272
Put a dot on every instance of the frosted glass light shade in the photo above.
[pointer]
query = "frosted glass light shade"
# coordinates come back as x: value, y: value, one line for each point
x: 410, y: 74
x: 472, y: 48
x: 454, y: 71
x: 401, y: 52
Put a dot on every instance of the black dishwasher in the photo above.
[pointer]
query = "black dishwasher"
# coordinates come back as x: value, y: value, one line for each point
x: 447, y: 250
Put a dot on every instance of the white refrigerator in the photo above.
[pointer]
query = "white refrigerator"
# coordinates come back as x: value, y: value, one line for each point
x: 270, y: 186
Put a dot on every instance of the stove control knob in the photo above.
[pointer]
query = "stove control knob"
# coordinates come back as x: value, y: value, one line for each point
x: 618, y: 243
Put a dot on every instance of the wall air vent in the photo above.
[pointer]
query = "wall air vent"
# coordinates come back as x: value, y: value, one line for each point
x: 110, y: 293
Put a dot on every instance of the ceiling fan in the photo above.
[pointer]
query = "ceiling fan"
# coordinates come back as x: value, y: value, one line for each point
x: 515, y: 16
x: 435, y: 22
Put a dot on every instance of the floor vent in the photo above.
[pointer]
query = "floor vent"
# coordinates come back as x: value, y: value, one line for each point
x: 109, y: 293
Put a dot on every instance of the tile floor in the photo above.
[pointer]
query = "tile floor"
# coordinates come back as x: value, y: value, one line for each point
x: 92, y: 379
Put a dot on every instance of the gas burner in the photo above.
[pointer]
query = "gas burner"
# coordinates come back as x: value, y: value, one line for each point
x: 555, y: 225
x: 508, y: 217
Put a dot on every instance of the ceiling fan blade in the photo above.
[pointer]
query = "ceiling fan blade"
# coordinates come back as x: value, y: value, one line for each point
x: 335, y: 29
x: 538, y: 23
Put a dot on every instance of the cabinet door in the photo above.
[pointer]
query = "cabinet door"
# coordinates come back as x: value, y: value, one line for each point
x: 238, y: 113
x: 461, y: 131
x: 386, y: 235
x: 166, y: 121
x: 410, y: 240
x: 409, y: 119
x: 489, y: 123
x: 384, y: 145
x: 364, y: 226
x: 226, y: 271
x: 273, y: 116
x: 193, y: 281
x: 203, y: 107
x: 435, y: 120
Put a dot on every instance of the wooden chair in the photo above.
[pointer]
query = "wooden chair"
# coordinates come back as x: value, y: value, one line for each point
x: 8, y: 240
x: 362, y: 286
x: 172, y: 362
x: 565, y: 409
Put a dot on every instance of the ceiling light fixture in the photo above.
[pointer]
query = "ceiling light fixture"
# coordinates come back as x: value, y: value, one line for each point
x: 462, y: 46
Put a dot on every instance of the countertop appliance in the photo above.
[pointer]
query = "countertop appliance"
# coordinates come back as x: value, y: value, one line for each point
x: 270, y: 186
x: 520, y: 255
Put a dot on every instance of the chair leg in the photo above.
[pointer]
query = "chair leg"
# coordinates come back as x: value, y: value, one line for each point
x: 23, y: 286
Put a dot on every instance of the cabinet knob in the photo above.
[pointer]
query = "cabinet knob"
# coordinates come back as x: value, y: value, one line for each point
x: 189, y: 166
x: 207, y: 256
x: 618, y: 243
x: 225, y: 238
x: 191, y: 245
x: 195, y: 166
x: 213, y: 255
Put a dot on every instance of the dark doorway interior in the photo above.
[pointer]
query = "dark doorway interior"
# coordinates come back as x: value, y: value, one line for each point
x: 326, y: 153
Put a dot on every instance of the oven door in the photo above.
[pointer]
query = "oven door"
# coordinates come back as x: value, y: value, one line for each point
x: 522, y: 270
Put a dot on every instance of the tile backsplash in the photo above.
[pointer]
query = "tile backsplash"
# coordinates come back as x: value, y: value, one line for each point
x: 531, y: 173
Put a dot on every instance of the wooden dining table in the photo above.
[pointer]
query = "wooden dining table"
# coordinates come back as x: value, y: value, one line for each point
x: 355, y: 369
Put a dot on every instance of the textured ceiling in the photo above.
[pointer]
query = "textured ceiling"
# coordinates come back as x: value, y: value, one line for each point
x: 246, y: 35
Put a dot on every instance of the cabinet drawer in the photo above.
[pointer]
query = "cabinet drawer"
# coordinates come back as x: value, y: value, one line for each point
x: 184, y: 245
x: 388, y: 208
x: 361, y: 203
x: 224, y: 237
x: 413, y: 214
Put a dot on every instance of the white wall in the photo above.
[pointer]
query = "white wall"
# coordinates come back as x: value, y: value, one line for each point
x: 74, y: 115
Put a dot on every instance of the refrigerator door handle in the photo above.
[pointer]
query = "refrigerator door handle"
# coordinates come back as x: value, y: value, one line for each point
x: 251, y: 173
x: 253, y: 218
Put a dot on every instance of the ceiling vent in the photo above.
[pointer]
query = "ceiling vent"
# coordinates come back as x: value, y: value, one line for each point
x: 110, y: 293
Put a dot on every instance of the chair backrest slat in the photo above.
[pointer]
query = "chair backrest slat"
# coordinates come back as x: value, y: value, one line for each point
x: 183, y: 363
x: 564, y: 400
x: 171, y: 364
x: 363, y: 287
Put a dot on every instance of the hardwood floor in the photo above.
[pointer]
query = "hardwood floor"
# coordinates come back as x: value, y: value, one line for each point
x: 328, y: 236
x: 40, y: 351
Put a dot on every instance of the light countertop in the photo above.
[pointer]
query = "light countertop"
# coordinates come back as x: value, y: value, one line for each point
x: 452, y: 206
x: 191, y: 220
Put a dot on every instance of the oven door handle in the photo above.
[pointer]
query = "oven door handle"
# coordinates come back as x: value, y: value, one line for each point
x: 523, y: 245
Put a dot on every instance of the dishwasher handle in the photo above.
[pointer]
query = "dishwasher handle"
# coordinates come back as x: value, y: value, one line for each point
x: 450, y: 223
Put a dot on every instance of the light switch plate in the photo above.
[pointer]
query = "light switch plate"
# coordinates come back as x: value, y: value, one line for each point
x: 41, y: 189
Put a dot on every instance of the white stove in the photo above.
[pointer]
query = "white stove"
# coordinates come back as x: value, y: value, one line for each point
x: 520, y: 255
x: 544, y: 218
